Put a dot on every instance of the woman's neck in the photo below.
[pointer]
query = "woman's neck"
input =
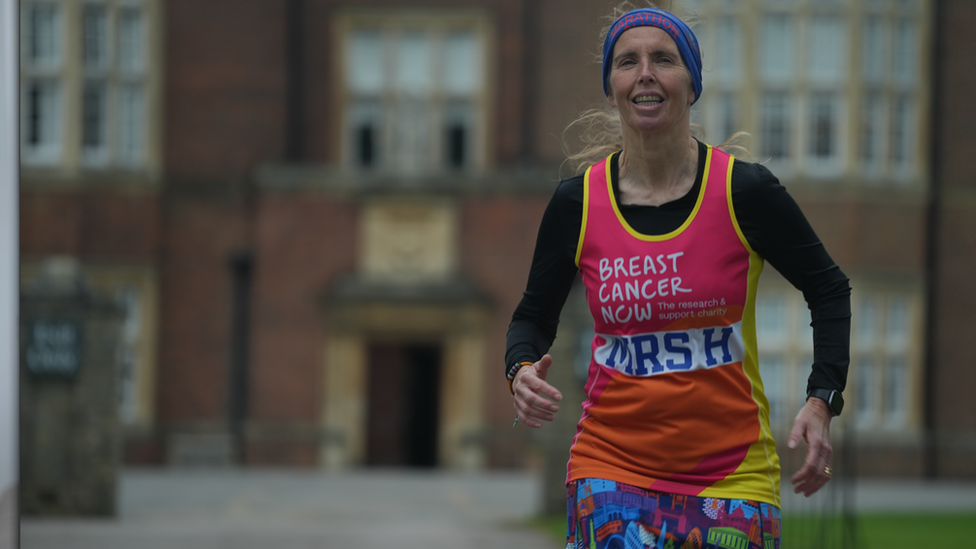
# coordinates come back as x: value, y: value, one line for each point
x: 657, y: 169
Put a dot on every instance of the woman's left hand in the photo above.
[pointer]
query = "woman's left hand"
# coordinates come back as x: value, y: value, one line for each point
x: 812, y: 425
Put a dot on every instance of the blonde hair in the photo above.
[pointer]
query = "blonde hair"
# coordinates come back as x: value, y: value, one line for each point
x: 598, y: 129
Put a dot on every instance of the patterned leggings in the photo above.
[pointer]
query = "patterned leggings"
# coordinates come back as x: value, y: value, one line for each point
x: 603, y: 514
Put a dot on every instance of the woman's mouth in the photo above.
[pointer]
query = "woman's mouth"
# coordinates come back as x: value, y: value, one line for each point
x: 648, y: 100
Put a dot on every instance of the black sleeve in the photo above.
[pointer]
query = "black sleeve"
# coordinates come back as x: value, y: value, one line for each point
x: 777, y: 230
x: 551, y: 276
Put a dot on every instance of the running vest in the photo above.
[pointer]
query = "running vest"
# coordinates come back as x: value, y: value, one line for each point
x: 674, y: 401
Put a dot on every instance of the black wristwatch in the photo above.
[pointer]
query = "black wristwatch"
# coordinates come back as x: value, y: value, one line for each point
x: 834, y: 399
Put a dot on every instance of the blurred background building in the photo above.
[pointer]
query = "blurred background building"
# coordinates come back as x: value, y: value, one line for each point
x: 318, y: 215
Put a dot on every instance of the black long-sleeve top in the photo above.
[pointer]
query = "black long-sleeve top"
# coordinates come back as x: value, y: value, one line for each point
x: 770, y: 220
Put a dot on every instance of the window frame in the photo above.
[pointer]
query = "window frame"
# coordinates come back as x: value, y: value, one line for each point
x: 438, y: 25
x: 88, y: 136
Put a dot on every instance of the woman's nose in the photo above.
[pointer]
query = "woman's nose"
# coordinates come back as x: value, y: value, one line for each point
x: 646, y: 73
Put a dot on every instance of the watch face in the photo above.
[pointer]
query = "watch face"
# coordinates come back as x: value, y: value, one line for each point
x: 836, y: 402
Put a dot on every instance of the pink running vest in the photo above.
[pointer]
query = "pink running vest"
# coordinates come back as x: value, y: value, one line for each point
x: 674, y: 401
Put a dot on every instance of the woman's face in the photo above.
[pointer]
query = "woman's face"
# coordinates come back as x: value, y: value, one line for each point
x: 649, y: 83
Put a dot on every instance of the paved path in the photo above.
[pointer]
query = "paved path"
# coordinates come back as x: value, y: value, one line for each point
x: 249, y: 508
x: 244, y: 509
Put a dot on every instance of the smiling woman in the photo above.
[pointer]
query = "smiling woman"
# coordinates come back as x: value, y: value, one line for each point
x: 674, y: 443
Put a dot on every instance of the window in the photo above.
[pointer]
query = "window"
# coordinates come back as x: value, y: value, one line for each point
x: 776, y: 126
x: 826, y: 49
x: 832, y: 89
x: 777, y: 48
x: 41, y: 105
x: 728, y: 50
x: 872, y: 126
x: 726, y: 108
x: 415, y: 99
x: 114, y: 135
x: 905, y: 57
x: 43, y: 35
x: 824, y: 132
x: 873, y: 48
x: 87, y: 83
x: 902, y: 131
x: 865, y: 393
x: 774, y: 376
x: 771, y: 318
x: 895, y: 394
x: 865, y: 324
x: 785, y: 353
x: 882, y: 356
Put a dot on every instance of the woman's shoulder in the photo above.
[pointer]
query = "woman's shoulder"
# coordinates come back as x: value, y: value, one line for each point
x: 752, y: 177
x: 569, y: 190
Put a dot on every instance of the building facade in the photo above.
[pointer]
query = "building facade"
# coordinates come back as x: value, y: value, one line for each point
x: 319, y: 214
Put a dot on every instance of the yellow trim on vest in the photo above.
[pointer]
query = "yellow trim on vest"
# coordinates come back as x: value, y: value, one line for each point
x: 728, y: 197
x: 679, y: 230
x: 750, y: 363
x: 586, y: 211
x: 759, y: 450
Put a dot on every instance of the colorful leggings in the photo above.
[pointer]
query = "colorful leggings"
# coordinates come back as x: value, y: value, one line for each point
x: 607, y: 514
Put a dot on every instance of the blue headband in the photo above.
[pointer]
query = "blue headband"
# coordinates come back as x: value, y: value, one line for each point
x: 676, y: 28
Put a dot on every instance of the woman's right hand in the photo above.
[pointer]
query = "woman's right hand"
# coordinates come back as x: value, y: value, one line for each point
x: 535, y: 400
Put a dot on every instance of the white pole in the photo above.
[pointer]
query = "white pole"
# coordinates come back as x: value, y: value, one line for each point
x: 9, y: 287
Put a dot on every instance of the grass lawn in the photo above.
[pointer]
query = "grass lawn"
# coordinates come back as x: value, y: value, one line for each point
x: 908, y: 531
x: 873, y: 530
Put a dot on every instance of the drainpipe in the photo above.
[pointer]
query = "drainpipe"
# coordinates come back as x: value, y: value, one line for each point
x: 932, y: 244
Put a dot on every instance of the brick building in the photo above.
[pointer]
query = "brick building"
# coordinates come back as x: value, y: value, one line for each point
x: 320, y: 213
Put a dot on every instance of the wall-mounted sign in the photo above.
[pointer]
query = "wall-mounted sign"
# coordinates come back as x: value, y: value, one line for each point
x: 53, y: 348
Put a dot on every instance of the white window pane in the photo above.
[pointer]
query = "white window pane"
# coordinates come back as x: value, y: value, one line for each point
x: 94, y: 122
x: 413, y: 64
x: 872, y: 130
x: 131, y: 129
x: 865, y: 320
x: 827, y: 48
x: 95, y: 37
x: 777, y: 47
x: 897, y: 324
x: 865, y: 392
x: 771, y: 320
x: 726, y: 110
x: 462, y: 64
x: 410, y: 142
x: 131, y: 42
x: 728, y: 49
x: 823, y: 124
x: 776, y: 126
x: 43, y: 40
x: 874, y: 35
x: 902, y: 131
x: 772, y: 369
x: 895, y: 393
x: 364, y: 63
x: 905, y: 59
x: 41, y: 125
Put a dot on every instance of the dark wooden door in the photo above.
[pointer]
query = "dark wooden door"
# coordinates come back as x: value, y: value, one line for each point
x: 403, y: 393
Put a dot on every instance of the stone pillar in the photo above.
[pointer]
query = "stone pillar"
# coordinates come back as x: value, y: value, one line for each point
x: 70, y: 444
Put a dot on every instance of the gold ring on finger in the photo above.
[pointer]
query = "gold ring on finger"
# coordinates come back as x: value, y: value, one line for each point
x: 828, y: 471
